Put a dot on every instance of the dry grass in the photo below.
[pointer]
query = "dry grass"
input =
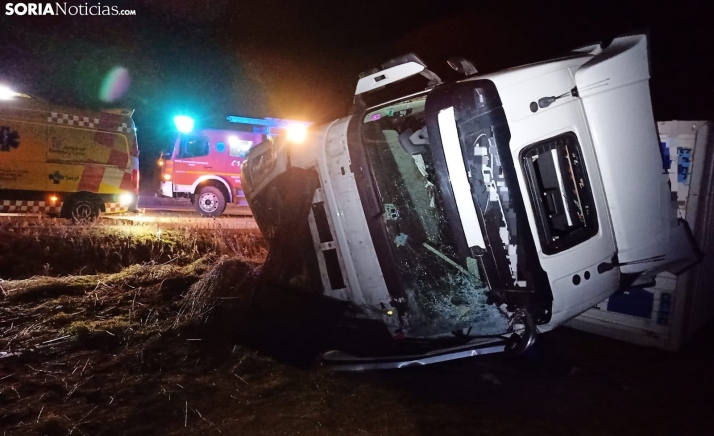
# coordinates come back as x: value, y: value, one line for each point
x: 157, y: 349
x: 52, y: 247
x: 229, y: 279
x: 69, y: 305
x: 142, y: 351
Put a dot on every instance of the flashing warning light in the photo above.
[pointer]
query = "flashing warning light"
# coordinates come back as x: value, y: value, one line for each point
x: 53, y: 198
x: 167, y: 176
x: 271, y: 126
x: 183, y: 123
x: 160, y: 162
x: 297, y: 133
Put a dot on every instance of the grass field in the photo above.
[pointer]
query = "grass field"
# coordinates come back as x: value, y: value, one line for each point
x: 111, y: 330
x: 52, y: 247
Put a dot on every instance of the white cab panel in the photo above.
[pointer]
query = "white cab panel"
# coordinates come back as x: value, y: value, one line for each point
x: 615, y: 93
x: 564, y: 115
x: 365, y: 282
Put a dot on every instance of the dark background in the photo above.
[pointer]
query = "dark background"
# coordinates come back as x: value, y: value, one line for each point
x: 300, y: 59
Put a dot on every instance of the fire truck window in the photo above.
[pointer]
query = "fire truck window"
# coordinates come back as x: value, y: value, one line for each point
x: 192, y: 146
x: 238, y: 147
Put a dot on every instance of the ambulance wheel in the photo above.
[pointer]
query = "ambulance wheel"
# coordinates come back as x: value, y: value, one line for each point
x: 81, y: 209
x: 210, y: 201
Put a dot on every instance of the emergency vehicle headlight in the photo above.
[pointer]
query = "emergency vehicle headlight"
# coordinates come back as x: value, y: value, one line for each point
x: 297, y: 133
x: 167, y: 176
x: 183, y: 123
x: 160, y: 162
x: 126, y: 199
x: 6, y: 93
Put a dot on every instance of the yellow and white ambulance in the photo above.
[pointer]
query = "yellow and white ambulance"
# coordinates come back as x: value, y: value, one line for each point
x: 72, y: 162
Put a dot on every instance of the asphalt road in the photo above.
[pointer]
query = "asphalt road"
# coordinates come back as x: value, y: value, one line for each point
x: 184, y: 219
x: 169, y: 213
x: 152, y: 203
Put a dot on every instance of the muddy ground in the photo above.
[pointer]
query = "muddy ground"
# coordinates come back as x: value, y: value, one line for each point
x: 164, y: 348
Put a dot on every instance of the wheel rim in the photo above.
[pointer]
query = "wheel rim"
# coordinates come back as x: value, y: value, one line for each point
x: 82, y: 211
x: 208, y: 202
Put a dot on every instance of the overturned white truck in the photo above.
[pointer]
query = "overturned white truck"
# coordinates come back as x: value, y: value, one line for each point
x: 466, y: 218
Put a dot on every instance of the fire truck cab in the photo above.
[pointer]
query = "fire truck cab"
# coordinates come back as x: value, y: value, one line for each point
x: 204, y: 164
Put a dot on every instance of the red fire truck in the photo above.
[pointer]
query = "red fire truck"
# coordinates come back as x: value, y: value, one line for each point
x: 204, y: 164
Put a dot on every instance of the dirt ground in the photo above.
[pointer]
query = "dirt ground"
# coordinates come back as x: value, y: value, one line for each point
x: 158, y: 349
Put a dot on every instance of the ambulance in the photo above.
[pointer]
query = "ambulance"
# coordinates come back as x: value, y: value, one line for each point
x: 204, y: 164
x: 63, y: 161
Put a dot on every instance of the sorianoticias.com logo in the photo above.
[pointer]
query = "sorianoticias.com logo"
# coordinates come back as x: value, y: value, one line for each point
x: 57, y: 8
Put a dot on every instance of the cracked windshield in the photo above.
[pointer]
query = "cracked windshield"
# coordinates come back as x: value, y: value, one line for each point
x: 445, y: 291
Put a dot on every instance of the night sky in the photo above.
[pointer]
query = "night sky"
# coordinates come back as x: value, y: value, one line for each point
x: 300, y: 59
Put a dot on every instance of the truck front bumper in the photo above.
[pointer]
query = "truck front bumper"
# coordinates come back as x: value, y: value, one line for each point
x: 167, y: 189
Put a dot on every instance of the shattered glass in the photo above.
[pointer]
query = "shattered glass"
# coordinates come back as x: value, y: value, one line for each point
x: 445, y: 293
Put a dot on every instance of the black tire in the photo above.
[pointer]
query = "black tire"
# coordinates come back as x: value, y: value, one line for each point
x: 210, y: 201
x: 82, y: 209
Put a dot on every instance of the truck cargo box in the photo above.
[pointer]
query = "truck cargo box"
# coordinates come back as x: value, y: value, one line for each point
x: 665, y: 314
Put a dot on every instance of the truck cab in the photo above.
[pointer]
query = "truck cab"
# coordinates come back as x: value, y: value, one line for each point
x: 464, y: 219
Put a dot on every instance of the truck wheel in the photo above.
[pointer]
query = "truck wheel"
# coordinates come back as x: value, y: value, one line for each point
x: 210, y: 202
x: 82, y: 210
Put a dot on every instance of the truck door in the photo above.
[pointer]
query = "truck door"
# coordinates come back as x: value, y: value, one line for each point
x: 219, y: 159
x: 239, y: 143
x: 190, y: 160
x: 530, y: 200
x: 468, y: 130
x: 23, y: 148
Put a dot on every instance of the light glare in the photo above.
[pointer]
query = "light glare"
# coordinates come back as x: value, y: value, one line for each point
x: 6, y: 93
x: 297, y: 133
x: 183, y: 123
x: 125, y: 199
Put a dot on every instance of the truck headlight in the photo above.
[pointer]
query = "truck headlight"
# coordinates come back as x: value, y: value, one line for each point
x: 297, y: 133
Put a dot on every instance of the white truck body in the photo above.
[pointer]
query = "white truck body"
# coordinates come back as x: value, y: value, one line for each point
x: 476, y: 209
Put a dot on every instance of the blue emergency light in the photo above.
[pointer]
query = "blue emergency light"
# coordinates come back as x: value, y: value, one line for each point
x: 267, y: 126
x: 183, y: 123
